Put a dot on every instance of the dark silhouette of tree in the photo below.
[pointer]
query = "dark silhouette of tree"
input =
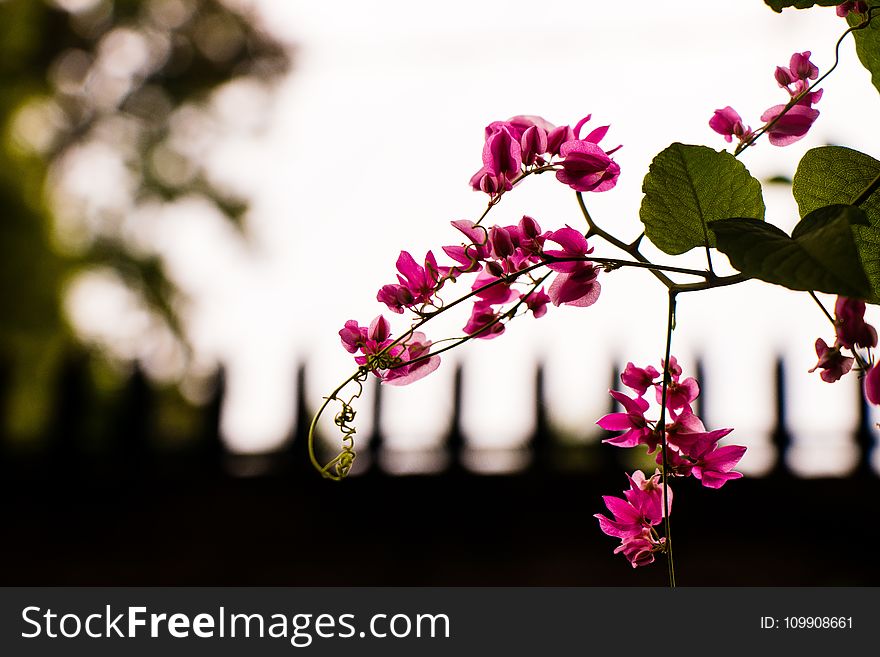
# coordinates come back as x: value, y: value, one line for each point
x: 130, y: 78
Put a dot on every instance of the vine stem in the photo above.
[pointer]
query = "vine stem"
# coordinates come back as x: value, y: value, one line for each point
x: 794, y: 101
x: 823, y: 308
x: 631, y: 249
x: 667, y: 525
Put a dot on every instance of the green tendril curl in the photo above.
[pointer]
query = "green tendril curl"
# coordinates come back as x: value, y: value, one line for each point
x: 339, y: 466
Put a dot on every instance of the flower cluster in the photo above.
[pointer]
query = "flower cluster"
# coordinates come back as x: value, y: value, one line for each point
x: 784, y: 123
x: 503, y: 259
x: 525, y: 144
x: 634, y: 517
x: 395, y: 362
x: 852, y: 332
x: 690, y: 448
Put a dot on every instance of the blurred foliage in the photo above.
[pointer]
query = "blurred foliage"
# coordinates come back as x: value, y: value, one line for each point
x: 119, y: 73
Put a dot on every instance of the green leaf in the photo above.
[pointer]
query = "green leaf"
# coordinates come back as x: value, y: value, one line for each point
x: 868, y: 42
x: 834, y: 174
x: 821, y: 254
x: 779, y: 5
x: 687, y: 187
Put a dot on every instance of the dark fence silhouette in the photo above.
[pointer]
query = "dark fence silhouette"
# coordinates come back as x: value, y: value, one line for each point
x: 102, y: 499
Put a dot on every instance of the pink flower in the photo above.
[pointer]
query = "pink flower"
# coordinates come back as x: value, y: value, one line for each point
x: 632, y: 421
x: 783, y: 76
x: 519, y: 125
x: 395, y: 364
x: 684, y: 429
x: 395, y: 296
x: 698, y: 454
x: 646, y: 494
x: 832, y: 363
x: 574, y: 245
x: 792, y: 126
x: 852, y: 6
x: 627, y: 521
x: 533, y: 144
x: 728, y: 123
x: 501, y: 242
x: 502, y: 154
x: 872, y: 385
x: 678, y: 393
x: 576, y: 284
x: 417, y: 284
x: 595, y: 136
x: 693, y: 444
x: 414, y: 365
x: 472, y: 254
x: 714, y: 468
x: 489, y: 183
x: 586, y: 167
x: 639, y: 549
x: 801, y: 67
x: 638, y: 379
x: 641, y: 508
x: 484, y: 322
x: 536, y: 302
x: 850, y: 324
x: 578, y: 288
x: 353, y: 336
x: 496, y: 291
x: 557, y: 137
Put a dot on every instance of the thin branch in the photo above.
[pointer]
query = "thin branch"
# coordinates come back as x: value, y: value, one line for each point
x: 631, y: 249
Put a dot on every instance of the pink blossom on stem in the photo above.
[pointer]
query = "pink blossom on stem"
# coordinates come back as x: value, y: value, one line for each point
x: 693, y: 444
x: 395, y: 364
x: 683, y: 429
x: 646, y: 494
x: 472, y: 254
x: 574, y: 245
x: 632, y: 422
x: 586, y: 167
x: 634, y: 516
x: 353, y: 336
x: 832, y: 363
x: 557, y: 137
x: 641, y: 508
x: 501, y: 242
x: 537, y: 302
x: 639, y: 549
x: 783, y: 76
x: 678, y: 393
x: 417, y: 284
x: 578, y: 288
x: 414, y: 366
x: 483, y: 322
x: 714, y: 468
x: 792, y: 126
x: 490, y: 183
x: 727, y: 122
x: 576, y: 284
x: 502, y: 154
x: 496, y: 291
x: 850, y: 324
x: 638, y: 379
x: 801, y: 67
x: 533, y: 144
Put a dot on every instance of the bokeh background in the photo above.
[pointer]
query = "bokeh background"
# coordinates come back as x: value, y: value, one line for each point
x: 197, y: 194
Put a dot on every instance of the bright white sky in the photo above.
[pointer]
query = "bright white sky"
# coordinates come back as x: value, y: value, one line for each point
x: 369, y: 149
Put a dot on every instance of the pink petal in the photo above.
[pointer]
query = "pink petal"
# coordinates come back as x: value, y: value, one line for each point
x: 615, y: 422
